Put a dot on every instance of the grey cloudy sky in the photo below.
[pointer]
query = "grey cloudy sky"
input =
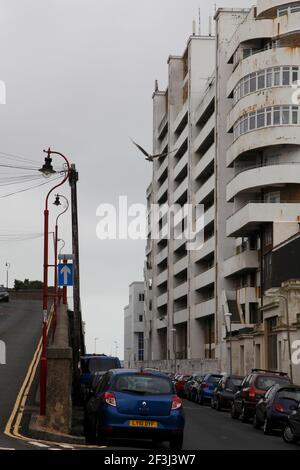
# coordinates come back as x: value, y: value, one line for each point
x: 79, y: 77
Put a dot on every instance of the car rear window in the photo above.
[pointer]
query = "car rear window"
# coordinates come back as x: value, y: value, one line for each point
x: 99, y: 364
x: 289, y: 394
x: 214, y: 379
x: 235, y: 381
x: 264, y: 382
x: 144, y: 384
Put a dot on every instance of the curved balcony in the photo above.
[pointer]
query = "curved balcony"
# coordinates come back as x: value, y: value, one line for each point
x: 263, y: 176
x: 276, y: 96
x: 263, y: 137
x: 249, y: 218
x: 180, y: 317
x: 204, y: 309
x: 268, y: 8
x: 264, y: 59
x: 241, y: 263
x: 251, y: 29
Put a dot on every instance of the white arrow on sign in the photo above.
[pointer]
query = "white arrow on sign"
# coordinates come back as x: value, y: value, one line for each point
x: 65, y: 272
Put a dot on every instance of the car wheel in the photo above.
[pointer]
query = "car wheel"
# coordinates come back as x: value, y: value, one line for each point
x: 234, y: 413
x: 176, y: 442
x: 267, y: 427
x: 256, y: 422
x: 90, y: 429
x: 244, y: 416
x: 100, y: 437
x: 289, y: 436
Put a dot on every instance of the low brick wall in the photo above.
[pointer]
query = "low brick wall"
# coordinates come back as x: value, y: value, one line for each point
x: 202, y: 366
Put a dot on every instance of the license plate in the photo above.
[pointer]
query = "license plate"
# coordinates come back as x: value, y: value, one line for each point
x: 142, y: 423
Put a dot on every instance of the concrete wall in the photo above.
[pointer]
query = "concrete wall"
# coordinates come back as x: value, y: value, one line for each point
x: 202, y: 366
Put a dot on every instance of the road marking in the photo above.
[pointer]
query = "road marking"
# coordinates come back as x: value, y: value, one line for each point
x: 7, y: 448
x: 11, y: 430
x: 38, y: 444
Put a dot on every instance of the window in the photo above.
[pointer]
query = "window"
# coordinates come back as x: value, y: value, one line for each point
x: 252, y: 82
x: 295, y: 114
x: 261, y: 118
x: 141, y: 297
x: 252, y: 119
x: 286, y: 76
x: 276, y: 76
x: 261, y: 82
x: 268, y: 116
x: 269, y: 78
x: 295, y: 74
x: 140, y: 346
x: 285, y: 115
x: 140, y: 318
x: 276, y: 115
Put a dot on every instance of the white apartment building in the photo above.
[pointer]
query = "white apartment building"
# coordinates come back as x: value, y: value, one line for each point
x: 134, y: 325
x: 231, y: 115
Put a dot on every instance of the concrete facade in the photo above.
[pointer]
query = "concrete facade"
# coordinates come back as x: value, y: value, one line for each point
x: 230, y: 120
x: 134, y: 325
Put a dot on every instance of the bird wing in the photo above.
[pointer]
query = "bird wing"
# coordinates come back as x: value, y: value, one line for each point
x: 160, y: 155
x: 140, y: 148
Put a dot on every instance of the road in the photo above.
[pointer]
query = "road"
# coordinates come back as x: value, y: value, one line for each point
x: 20, y: 329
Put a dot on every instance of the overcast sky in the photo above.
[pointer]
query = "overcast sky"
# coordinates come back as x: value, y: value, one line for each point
x: 80, y: 76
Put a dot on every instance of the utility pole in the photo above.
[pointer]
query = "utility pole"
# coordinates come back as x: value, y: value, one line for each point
x: 78, y: 347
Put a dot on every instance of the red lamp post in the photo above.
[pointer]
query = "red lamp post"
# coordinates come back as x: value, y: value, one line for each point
x: 57, y: 203
x: 47, y: 170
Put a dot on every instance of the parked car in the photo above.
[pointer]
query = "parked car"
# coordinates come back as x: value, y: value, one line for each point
x: 189, y: 384
x: 4, y: 295
x: 291, y: 432
x: 92, y: 363
x: 273, y: 409
x: 252, y: 389
x: 224, y: 392
x: 90, y: 391
x: 205, y: 389
x: 138, y: 404
x: 180, y: 383
x: 193, y: 391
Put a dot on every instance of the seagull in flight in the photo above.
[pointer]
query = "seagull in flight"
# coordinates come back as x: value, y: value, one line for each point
x: 148, y: 156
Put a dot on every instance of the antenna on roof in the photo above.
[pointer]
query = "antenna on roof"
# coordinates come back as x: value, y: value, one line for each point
x: 215, y: 8
x: 194, y: 27
x: 209, y: 25
x: 156, y: 85
x: 199, y: 22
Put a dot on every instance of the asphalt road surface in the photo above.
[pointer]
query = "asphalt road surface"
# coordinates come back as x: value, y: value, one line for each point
x: 20, y: 329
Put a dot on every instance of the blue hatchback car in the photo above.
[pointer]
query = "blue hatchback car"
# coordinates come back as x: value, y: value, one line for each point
x: 207, y: 387
x: 135, y: 404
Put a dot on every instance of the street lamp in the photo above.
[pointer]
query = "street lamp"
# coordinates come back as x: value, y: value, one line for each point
x: 229, y: 315
x: 47, y: 170
x: 174, y: 347
x: 95, y: 345
x: 7, y: 268
x: 288, y: 328
x: 116, y: 348
x: 57, y: 203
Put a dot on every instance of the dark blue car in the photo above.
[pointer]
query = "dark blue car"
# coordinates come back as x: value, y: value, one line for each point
x: 135, y: 404
x: 275, y: 407
x: 207, y: 386
x: 90, y: 364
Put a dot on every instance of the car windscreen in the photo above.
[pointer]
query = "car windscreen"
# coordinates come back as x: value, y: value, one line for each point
x: 264, y: 382
x: 235, y: 382
x: 143, y: 384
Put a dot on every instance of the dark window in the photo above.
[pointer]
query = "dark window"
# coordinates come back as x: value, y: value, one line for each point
x: 141, y: 297
x: 140, y: 318
x: 264, y: 382
x: 140, y: 346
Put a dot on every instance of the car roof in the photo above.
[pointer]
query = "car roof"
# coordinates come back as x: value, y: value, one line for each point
x: 138, y: 371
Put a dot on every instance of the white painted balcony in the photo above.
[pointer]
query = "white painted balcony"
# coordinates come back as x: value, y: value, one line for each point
x: 180, y: 117
x: 180, y: 317
x: 161, y: 256
x: 205, y: 131
x: 179, y: 243
x: 247, y: 295
x: 181, y: 164
x: 269, y: 7
x: 161, y: 169
x: 162, y: 126
x: 180, y: 265
x: 161, y: 323
x: 206, y: 308
x: 207, y: 249
x: 182, y: 188
x: 162, y: 278
x: 249, y: 218
x: 206, y: 160
x: 241, y: 262
x: 271, y: 175
x: 180, y: 141
x: 162, y: 190
x: 205, y: 102
x: 209, y: 215
x: 204, y: 279
x: 180, y: 291
x: 162, y: 300
x: 206, y: 189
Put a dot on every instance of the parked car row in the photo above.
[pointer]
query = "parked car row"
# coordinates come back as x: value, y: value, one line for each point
x: 266, y: 397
